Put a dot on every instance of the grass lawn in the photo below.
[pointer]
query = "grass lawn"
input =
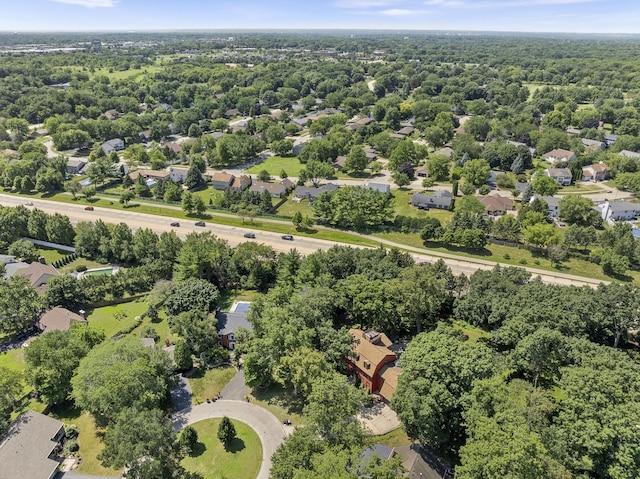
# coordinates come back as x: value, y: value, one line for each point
x: 51, y: 255
x: 73, y: 266
x: 212, y: 461
x: 402, y: 207
x: 112, y: 319
x: 472, y: 332
x: 583, y: 188
x: 89, y: 440
x: 395, y: 438
x: 227, y: 298
x: 276, y: 164
x: 13, y: 360
x: 280, y: 402
x: 290, y: 207
x: 209, y: 383
x: 210, y: 194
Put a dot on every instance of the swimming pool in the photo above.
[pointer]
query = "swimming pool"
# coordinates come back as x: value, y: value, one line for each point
x: 241, y: 307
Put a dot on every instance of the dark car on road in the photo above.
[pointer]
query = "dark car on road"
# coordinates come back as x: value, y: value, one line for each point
x: 89, y: 208
x: 175, y: 223
x: 199, y: 223
x: 250, y: 235
x: 287, y: 237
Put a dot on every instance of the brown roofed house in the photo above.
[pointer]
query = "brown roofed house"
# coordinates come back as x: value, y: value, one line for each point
x: 373, y: 362
x: 495, y: 205
x: 58, y: 319
x: 276, y: 190
x: 221, y: 180
x: 38, y: 275
x: 240, y: 183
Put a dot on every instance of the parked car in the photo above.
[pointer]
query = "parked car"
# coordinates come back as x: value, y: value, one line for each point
x: 88, y: 208
x: 199, y: 223
x: 287, y: 237
x: 29, y: 203
x: 250, y: 235
x: 175, y: 223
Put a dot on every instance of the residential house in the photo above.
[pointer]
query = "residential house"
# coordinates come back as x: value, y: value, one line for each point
x: 115, y: 144
x: 496, y: 205
x: 240, y: 183
x: 553, y: 205
x: 371, y: 356
x: 232, y: 112
x: 298, y: 144
x: 38, y: 275
x: 440, y: 200
x: 572, y: 131
x: 221, y: 180
x: 381, y: 187
x: 371, y: 154
x: 276, y: 190
x: 173, y: 146
x: 228, y: 325
x: 353, y: 126
x: 619, y: 210
x: 610, y: 139
x: 446, y: 151
x: 396, y: 136
x: 419, y: 463
x: 166, y: 107
x: 593, y: 145
x: 145, y: 136
x: 112, y: 114
x: 31, y: 447
x: 521, y: 186
x: 532, y: 150
x: 561, y: 175
x: 311, y: 193
x: 177, y: 174
x: 74, y: 166
x: 40, y: 132
x: 58, y: 319
x: 11, y: 266
x: 340, y: 162
x: 151, y: 177
x: 406, y: 131
x: 597, y: 172
x: 558, y: 155
x: 630, y: 154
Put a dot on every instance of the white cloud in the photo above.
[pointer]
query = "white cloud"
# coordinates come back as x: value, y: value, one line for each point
x: 366, y: 3
x: 89, y: 3
x: 398, y: 12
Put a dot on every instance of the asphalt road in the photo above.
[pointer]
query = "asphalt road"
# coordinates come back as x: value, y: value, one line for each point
x: 235, y: 235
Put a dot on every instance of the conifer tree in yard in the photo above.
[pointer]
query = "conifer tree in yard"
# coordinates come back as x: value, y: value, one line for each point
x: 226, y: 432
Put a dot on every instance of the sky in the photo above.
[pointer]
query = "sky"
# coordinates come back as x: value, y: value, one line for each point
x: 560, y: 16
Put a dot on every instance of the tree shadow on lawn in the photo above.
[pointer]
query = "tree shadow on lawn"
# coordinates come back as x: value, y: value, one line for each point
x: 458, y: 249
x: 198, y: 450
x: 236, y: 445
x: 284, y: 398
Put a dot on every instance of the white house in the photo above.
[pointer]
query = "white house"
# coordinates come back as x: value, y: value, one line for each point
x: 558, y: 155
x: 598, y: 172
x: 553, y: 204
x: 116, y: 144
x: 561, y: 175
x: 177, y: 174
x: 619, y: 210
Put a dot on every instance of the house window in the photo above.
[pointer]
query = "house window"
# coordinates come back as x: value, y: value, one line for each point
x: 232, y: 337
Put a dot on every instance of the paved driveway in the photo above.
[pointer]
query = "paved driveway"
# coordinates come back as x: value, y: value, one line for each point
x: 265, y: 424
x: 236, y: 389
x: 181, y: 394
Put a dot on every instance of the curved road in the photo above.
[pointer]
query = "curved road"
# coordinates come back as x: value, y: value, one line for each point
x: 305, y: 245
x: 265, y: 424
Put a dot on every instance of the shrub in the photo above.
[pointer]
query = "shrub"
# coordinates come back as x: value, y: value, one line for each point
x: 150, y: 332
x: 80, y: 268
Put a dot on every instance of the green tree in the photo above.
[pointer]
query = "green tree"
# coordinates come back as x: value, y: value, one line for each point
x: 226, y: 432
x: 65, y: 291
x: 207, y: 257
x: 74, y: 187
x: 315, y: 171
x: 356, y: 160
x: 24, y: 250
x: 541, y: 234
x: 20, y: 305
x: 401, y: 179
x: 192, y: 294
x: 540, y: 354
x: 188, y: 202
x: 438, y: 167
x: 297, y: 219
x: 59, y: 229
x: 117, y: 375
x: 544, y: 185
x: 126, y: 196
x: 11, y: 389
x: 182, y: 355
x: 476, y: 172
x: 187, y: 440
x: 194, y: 178
x: 576, y: 209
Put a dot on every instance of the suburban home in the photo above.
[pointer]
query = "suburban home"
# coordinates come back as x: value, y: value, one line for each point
x: 221, y: 180
x: 340, y: 162
x: 561, y: 175
x: 40, y: 132
x: 112, y: 114
x: 151, y: 177
x: 396, y: 136
x: 276, y: 190
x: 406, y: 131
x: 619, y: 210
x: 115, y: 144
x: 74, y: 166
x: 440, y: 200
x: 228, y: 325
x: 373, y: 362
x: 593, y: 145
x: 38, y: 275
x: 496, y: 205
x: 381, y: 187
x: 240, y: 183
x: 418, y: 462
x: 446, y: 151
x: 177, y: 174
x: 572, y: 131
x: 31, y: 447
x: 298, y: 144
x: 629, y: 154
x: 553, y: 204
x: 610, y: 139
x: 371, y: 154
x: 599, y: 172
x: 532, y: 150
x: 173, y: 146
x: 232, y: 112
x: 311, y: 192
x: 166, y: 107
x: 58, y: 319
x: 359, y: 123
x: 558, y: 155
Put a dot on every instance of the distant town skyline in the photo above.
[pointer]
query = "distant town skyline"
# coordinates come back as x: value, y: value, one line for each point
x: 549, y: 16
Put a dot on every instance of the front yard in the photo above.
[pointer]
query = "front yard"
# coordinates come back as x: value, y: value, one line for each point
x: 208, y: 383
x: 276, y: 164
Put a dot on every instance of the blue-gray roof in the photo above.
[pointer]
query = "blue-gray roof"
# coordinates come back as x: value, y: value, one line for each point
x: 230, y: 322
